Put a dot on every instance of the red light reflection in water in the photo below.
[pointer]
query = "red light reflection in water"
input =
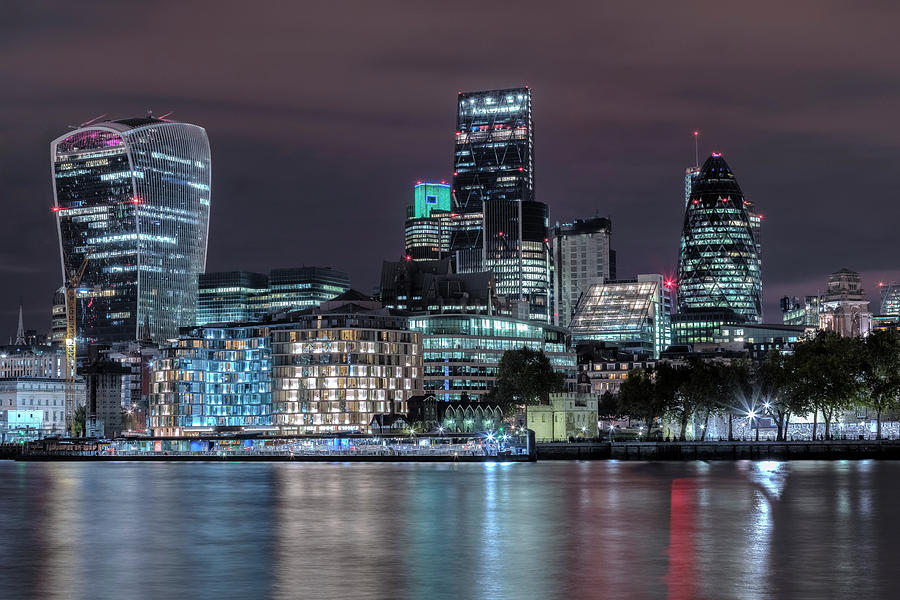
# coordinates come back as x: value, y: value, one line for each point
x: 681, y: 578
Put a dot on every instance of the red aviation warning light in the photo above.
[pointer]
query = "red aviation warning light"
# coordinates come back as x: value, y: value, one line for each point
x: 670, y: 283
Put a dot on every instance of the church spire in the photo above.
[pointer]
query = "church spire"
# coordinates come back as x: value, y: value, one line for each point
x: 20, y: 332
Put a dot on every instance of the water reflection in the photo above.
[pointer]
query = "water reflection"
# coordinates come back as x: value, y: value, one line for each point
x: 546, y: 530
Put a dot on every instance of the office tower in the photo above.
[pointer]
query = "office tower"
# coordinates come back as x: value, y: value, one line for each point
x: 58, y: 317
x: 844, y: 307
x: 890, y: 300
x: 231, y: 297
x: 304, y: 287
x: 632, y: 315
x: 242, y: 296
x: 795, y: 311
x: 719, y: 265
x: 462, y: 352
x: 494, y: 181
x: 581, y: 256
x: 690, y: 174
x: 428, y: 222
x: 132, y: 197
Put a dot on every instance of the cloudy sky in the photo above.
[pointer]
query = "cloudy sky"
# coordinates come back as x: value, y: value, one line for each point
x: 322, y: 115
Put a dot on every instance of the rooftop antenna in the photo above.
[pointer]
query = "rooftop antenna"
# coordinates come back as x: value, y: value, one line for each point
x: 696, y: 149
x: 149, y: 113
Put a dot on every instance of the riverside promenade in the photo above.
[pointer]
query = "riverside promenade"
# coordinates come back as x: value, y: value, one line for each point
x: 469, y: 447
x: 805, y: 450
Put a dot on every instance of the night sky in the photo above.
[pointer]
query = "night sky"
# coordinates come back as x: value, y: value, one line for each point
x: 321, y: 117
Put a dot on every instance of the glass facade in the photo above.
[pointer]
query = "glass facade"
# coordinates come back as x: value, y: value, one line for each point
x: 305, y: 287
x: 890, y: 300
x: 494, y: 177
x: 719, y: 266
x: 133, y: 197
x: 216, y: 376
x: 231, y: 297
x: 335, y: 372
x: 242, y: 296
x: 631, y: 315
x: 462, y: 352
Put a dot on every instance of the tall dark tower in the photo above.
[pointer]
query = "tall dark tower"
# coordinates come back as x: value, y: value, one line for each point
x: 719, y: 267
x: 499, y: 226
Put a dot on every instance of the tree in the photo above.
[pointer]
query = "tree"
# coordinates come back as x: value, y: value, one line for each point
x: 80, y: 420
x: 608, y: 406
x: 826, y: 373
x: 525, y: 377
x: 772, y: 378
x: 671, y: 384
x: 646, y: 395
x: 881, y: 373
x: 699, y: 390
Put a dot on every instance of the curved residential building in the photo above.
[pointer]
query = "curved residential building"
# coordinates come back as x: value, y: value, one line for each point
x: 133, y: 197
x: 719, y: 266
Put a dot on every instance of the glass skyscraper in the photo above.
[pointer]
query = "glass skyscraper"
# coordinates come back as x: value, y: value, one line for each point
x: 493, y: 179
x: 133, y: 197
x: 719, y: 266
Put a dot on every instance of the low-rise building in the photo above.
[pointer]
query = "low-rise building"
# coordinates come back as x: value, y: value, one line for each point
x: 568, y: 415
x: 43, y: 395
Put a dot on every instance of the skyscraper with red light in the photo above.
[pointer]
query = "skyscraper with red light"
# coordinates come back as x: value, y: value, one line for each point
x: 719, y: 266
x: 493, y: 181
x: 132, y: 196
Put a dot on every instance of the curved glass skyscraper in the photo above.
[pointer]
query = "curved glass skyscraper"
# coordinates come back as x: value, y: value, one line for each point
x: 719, y: 267
x: 133, y: 197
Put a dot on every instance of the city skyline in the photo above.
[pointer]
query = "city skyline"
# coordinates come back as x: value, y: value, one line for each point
x: 620, y: 155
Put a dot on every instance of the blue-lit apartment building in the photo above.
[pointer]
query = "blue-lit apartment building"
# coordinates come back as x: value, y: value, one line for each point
x: 462, y: 351
x: 327, y: 369
x: 213, y: 377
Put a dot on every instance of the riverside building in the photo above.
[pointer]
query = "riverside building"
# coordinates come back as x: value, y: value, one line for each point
x: 331, y: 368
x: 132, y: 198
x: 462, y: 352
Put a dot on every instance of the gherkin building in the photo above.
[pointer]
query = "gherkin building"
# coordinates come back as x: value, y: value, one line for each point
x: 719, y: 266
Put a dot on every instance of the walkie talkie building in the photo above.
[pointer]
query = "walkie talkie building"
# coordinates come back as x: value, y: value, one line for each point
x: 719, y: 266
x: 494, y: 180
x: 132, y: 196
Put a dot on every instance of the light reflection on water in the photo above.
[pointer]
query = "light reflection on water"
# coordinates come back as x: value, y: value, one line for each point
x: 546, y: 530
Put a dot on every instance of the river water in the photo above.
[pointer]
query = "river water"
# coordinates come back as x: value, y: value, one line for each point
x: 605, y: 529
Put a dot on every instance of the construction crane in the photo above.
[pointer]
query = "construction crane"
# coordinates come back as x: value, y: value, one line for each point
x: 72, y: 284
